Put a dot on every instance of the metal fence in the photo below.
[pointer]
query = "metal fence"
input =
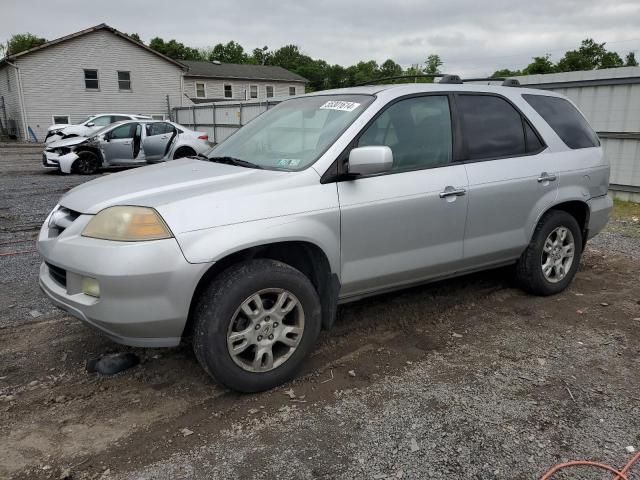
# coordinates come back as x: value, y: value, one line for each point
x: 610, y: 99
x: 221, y: 119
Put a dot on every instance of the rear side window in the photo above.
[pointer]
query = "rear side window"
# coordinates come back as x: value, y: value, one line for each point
x: 491, y: 127
x: 565, y: 119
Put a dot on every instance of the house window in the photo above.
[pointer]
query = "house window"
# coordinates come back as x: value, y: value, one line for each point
x: 91, y: 79
x: 269, y: 89
x: 292, y: 90
x: 60, y: 119
x: 253, y: 91
x: 124, y: 80
x: 228, y: 92
x: 158, y: 117
x: 200, y: 90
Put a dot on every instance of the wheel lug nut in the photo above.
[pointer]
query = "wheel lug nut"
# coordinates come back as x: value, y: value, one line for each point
x: 275, y: 324
x: 258, y: 327
x: 270, y: 337
x: 267, y: 318
x: 259, y: 338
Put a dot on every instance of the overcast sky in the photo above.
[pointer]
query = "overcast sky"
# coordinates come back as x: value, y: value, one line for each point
x: 473, y: 37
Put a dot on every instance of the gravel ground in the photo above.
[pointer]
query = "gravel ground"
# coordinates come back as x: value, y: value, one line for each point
x: 469, y: 378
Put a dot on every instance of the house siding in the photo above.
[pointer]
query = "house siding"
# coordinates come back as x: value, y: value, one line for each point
x: 53, y: 80
x: 214, y: 88
x: 11, y: 99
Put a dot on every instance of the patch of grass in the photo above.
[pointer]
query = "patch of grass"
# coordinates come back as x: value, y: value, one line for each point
x: 625, y: 210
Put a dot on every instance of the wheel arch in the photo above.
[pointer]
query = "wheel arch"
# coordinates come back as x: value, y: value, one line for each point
x: 305, y: 256
x: 578, y: 209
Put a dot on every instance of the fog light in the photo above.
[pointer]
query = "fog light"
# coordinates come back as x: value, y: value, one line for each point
x: 90, y: 286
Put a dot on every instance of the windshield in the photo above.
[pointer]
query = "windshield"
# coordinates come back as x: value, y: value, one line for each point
x: 293, y: 134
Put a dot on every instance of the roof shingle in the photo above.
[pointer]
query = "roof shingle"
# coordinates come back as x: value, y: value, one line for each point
x: 240, y: 71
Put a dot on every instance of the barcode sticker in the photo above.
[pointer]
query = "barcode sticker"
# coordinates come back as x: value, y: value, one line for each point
x: 340, y: 105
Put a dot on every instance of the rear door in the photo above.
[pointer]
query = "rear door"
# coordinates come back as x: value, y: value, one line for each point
x: 159, y: 136
x: 118, y: 146
x: 512, y: 179
x: 406, y: 225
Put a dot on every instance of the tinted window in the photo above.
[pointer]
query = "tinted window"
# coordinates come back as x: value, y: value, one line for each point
x: 418, y: 131
x: 118, y: 118
x: 491, y: 127
x: 159, y: 128
x: 534, y: 144
x: 565, y: 120
x: 124, y: 131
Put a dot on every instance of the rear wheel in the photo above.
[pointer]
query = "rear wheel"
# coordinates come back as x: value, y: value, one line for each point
x: 255, y: 324
x: 551, y: 260
x: 87, y: 163
x: 182, y: 152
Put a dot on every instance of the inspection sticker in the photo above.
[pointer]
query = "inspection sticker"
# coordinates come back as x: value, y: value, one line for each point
x: 340, y: 105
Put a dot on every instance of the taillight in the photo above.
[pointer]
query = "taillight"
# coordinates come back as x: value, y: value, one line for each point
x: 203, y: 137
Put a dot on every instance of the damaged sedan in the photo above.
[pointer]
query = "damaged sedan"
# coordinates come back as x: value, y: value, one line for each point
x: 126, y: 143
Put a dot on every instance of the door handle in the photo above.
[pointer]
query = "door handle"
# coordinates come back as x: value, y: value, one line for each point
x: 547, y: 177
x: 452, y: 192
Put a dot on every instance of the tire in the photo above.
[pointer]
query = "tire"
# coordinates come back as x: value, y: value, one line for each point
x: 220, y: 314
x: 182, y: 152
x: 531, y: 267
x: 87, y: 163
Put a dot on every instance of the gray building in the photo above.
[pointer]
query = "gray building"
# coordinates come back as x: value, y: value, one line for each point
x: 95, y: 70
x: 215, y: 81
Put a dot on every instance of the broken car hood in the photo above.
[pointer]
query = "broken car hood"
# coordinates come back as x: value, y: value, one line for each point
x: 194, y: 194
x: 67, y: 142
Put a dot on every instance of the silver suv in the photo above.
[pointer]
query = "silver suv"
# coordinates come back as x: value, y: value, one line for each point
x: 324, y: 199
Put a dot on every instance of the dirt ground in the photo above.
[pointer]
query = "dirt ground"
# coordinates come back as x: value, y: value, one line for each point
x: 465, y: 379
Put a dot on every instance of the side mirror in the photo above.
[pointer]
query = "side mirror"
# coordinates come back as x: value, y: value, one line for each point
x: 91, y: 124
x: 106, y: 137
x: 370, y: 160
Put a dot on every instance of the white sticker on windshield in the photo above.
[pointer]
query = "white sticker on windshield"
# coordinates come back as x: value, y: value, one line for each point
x: 340, y: 105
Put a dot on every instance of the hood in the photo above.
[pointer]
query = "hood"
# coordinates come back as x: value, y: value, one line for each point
x: 67, y: 142
x: 58, y: 126
x: 190, y: 194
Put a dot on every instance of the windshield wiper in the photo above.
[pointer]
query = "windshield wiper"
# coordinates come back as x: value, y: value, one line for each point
x: 235, y: 161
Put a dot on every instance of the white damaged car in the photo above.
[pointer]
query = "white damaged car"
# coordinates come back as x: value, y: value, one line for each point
x: 127, y: 143
x: 88, y: 126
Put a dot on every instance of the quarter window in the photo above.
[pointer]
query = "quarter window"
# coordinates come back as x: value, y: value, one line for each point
x: 292, y: 91
x: 200, y: 90
x: 124, y: 80
x: 91, y: 79
x: 102, y: 121
x: 418, y: 131
x: 565, y: 120
x: 269, y: 91
x: 491, y: 127
x: 228, y: 92
x: 253, y: 91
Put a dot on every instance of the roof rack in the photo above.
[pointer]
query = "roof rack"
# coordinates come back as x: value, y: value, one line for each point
x: 446, y: 78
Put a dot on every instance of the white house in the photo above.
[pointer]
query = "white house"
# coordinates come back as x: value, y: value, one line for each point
x: 215, y: 81
x: 95, y: 70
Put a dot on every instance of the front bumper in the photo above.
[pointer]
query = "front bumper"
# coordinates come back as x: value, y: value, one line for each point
x: 63, y: 162
x: 600, y: 210
x: 145, y: 287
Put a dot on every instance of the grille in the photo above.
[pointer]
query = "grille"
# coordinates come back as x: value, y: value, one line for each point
x: 59, y: 275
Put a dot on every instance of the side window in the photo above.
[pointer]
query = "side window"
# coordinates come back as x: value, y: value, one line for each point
x: 91, y: 79
x: 127, y: 130
x: 565, y: 119
x: 118, y: 118
x: 491, y: 127
x: 102, y: 121
x: 418, y: 131
x: 228, y: 91
x: 159, y: 128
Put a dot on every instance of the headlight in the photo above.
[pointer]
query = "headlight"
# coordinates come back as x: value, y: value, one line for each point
x: 127, y: 224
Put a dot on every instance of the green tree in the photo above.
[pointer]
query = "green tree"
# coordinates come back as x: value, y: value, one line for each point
x: 174, y: 49
x: 231, y: 52
x: 135, y: 36
x: 23, y: 41
x: 589, y: 56
x: 630, y: 60
x: 539, y: 65
x: 261, y: 56
x: 432, y: 64
x: 505, y: 72
x: 390, y: 69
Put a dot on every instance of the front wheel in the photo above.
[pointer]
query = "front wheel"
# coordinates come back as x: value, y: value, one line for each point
x: 551, y: 260
x: 87, y: 163
x: 255, y: 324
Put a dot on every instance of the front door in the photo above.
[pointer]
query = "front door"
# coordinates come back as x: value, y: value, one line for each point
x: 119, y: 145
x: 512, y: 179
x: 159, y: 136
x: 406, y: 225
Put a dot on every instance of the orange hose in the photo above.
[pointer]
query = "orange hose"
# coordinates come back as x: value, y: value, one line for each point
x: 619, y: 475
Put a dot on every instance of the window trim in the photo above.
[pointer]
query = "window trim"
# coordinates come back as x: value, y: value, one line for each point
x: 464, y: 155
x: 257, y: 92
x: 53, y: 121
x: 97, y: 79
x: 130, y: 89
x: 224, y: 89
x: 273, y: 91
x: 204, y: 88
